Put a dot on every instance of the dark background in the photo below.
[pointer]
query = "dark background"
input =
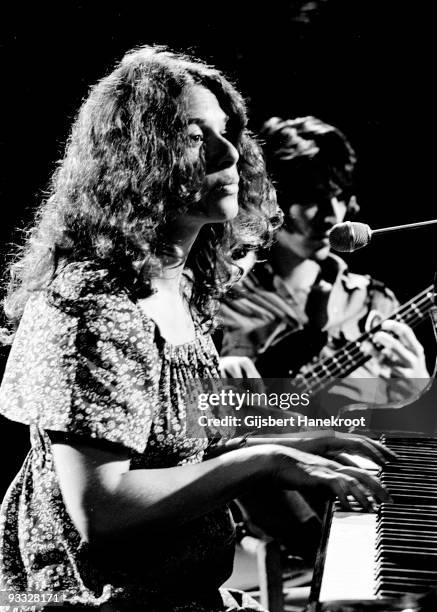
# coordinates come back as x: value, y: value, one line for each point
x: 362, y: 65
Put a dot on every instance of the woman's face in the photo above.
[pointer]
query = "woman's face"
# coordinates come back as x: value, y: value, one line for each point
x: 208, y: 139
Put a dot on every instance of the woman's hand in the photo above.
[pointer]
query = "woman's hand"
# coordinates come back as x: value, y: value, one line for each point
x: 293, y: 469
x: 336, y: 444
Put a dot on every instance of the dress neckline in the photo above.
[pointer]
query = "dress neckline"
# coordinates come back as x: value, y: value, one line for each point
x: 170, y: 345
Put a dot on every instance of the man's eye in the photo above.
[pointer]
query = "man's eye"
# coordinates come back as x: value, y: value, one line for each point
x: 307, y: 204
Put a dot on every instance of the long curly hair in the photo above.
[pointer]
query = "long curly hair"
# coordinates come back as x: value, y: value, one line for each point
x: 126, y: 173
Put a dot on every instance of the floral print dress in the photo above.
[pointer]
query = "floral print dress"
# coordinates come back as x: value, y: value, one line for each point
x: 87, y: 362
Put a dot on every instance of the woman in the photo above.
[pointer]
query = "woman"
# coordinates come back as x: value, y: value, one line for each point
x: 114, y: 507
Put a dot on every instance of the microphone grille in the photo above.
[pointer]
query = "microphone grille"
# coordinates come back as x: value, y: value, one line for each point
x: 347, y: 237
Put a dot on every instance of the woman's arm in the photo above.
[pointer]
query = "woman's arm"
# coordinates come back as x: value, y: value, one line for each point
x: 103, y: 497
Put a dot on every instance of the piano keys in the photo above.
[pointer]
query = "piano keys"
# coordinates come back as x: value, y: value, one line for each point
x: 392, y: 552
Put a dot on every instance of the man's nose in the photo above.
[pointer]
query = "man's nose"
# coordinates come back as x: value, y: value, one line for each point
x: 223, y: 155
x: 332, y: 210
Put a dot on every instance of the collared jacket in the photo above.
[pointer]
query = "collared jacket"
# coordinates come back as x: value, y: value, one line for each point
x: 263, y: 320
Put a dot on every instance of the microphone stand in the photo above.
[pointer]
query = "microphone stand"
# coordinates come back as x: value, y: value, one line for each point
x: 397, y: 228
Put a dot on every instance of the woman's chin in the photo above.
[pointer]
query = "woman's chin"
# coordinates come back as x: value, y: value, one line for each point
x: 222, y: 209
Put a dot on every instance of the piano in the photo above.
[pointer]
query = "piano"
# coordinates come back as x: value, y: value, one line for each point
x: 389, y: 554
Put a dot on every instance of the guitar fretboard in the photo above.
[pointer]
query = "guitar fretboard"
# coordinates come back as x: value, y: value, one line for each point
x: 315, y: 377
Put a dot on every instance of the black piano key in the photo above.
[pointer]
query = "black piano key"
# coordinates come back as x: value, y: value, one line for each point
x: 406, y: 530
x: 425, y: 574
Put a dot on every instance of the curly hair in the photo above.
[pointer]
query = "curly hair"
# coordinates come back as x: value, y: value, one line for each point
x: 126, y: 172
x: 306, y: 154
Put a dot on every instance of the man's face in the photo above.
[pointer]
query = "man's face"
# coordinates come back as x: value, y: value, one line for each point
x: 311, y: 222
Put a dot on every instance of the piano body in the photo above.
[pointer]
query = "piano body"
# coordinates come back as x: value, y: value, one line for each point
x: 389, y: 554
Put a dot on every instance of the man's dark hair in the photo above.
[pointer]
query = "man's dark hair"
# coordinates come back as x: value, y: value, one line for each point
x: 306, y: 157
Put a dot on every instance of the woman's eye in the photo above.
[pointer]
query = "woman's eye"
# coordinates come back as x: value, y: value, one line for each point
x: 196, y: 139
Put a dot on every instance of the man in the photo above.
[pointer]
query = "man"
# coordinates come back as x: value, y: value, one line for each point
x: 303, y: 302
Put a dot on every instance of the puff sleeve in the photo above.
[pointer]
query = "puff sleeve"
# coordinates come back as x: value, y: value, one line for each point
x: 84, y: 361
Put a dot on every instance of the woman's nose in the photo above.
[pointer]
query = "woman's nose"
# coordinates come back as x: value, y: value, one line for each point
x: 223, y: 155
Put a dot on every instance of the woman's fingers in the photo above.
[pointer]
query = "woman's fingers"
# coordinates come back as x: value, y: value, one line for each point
x: 371, y: 484
x: 300, y: 470
x: 341, y: 492
x: 345, y: 459
x: 374, y: 450
x: 357, y: 483
x: 388, y: 454
x: 344, y: 486
x: 365, y: 449
x: 351, y: 486
x: 364, y: 492
x: 360, y: 445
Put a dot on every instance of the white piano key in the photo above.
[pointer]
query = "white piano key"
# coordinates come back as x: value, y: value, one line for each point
x: 350, y: 557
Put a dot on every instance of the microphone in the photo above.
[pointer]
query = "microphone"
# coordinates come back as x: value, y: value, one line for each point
x: 351, y: 236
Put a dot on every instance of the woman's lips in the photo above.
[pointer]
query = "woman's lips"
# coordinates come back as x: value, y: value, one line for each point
x: 226, y: 188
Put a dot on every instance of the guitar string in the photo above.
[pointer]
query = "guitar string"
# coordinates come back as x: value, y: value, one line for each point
x: 352, y: 348
x: 353, y: 356
x: 352, y: 351
x: 349, y: 362
x: 419, y: 301
x: 315, y: 383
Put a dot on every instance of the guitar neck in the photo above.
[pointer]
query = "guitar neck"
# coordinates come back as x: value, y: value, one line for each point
x: 315, y: 377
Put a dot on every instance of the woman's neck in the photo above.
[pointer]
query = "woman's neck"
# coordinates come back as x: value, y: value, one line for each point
x: 179, y: 246
x: 168, y: 306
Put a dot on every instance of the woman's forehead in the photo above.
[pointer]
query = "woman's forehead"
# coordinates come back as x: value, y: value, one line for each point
x: 203, y: 106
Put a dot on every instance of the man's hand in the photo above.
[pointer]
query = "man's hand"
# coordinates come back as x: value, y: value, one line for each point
x: 401, y: 350
x: 238, y: 367
x: 404, y: 358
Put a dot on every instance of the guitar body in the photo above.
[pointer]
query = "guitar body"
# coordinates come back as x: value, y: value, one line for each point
x: 285, y: 358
